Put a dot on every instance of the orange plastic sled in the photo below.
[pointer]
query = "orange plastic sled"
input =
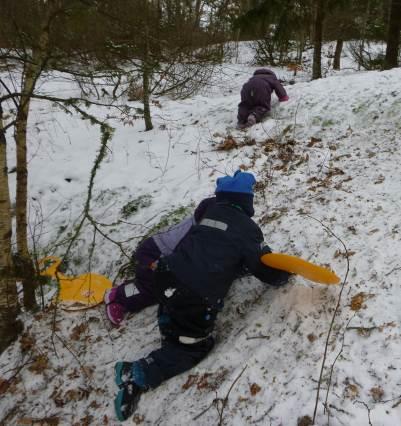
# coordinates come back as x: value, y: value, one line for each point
x: 76, y: 293
x: 298, y: 266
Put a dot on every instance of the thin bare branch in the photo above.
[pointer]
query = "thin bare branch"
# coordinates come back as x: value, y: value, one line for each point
x: 326, y: 346
x: 225, y: 400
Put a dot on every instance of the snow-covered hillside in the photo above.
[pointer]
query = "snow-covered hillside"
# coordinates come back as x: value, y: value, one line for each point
x: 327, y: 165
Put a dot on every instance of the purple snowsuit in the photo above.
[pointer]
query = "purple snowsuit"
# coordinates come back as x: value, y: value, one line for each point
x: 147, y: 252
x: 256, y: 95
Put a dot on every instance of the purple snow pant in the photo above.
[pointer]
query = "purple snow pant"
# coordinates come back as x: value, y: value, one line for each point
x: 255, y: 99
x: 146, y: 253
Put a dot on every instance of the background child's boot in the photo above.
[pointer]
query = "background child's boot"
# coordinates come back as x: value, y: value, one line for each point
x: 110, y: 295
x: 115, y: 313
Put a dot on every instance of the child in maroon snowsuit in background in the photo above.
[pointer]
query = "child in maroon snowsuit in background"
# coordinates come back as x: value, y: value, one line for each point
x: 256, y: 97
x: 137, y: 294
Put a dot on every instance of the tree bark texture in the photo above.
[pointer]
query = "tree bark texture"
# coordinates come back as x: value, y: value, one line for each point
x: 337, y: 54
x: 146, y: 77
x: 146, y: 98
x: 197, y: 14
x: 30, y: 76
x: 317, y: 38
x: 9, y: 309
x: 23, y: 263
x: 393, y: 35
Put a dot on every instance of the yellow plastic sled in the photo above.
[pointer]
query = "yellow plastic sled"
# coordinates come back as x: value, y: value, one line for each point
x: 298, y: 266
x: 76, y: 293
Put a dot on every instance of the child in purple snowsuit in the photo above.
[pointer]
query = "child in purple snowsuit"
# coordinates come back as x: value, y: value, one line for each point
x: 190, y: 285
x: 137, y: 294
x: 256, y: 97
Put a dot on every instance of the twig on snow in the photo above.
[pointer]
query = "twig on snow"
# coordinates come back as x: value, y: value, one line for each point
x: 262, y: 417
x: 225, y: 400
x: 218, y: 400
x: 18, y: 368
x: 326, y: 346
x: 396, y: 404
x: 214, y: 402
x: 367, y: 407
x: 74, y: 355
x: 393, y: 270
x: 335, y: 360
x: 258, y: 337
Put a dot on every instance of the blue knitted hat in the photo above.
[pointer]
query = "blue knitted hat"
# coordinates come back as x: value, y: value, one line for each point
x: 241, y: 182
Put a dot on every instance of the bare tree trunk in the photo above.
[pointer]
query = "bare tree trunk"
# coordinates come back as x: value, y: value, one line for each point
x: 318, y: 36
x: 300, y: 46
x: 393, y: 35
x: 169, y: 11
x: 363, y: 34
x: 30, y: 75
x: 146, y: 77
x: 146, y: 98
x: 9, y: 309
x: 24, y: 263
x: 197, y: 14
x: 337, y: 54
x: 237, y: 35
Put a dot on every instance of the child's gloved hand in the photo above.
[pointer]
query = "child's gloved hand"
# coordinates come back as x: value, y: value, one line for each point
x: 284, y: 99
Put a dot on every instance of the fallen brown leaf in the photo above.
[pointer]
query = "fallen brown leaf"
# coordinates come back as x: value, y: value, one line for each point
x: 40, y: 364
x: 358, y: 300
x: 351, y: 391
x: 255, y: 389
x: 228, y: 144
x: 311, y: 337
x: 377, y: 393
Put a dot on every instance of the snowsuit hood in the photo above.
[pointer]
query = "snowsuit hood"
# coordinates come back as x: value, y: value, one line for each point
x: 265, y: 71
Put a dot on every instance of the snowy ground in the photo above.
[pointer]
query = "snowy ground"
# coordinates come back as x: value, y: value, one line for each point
x: 328, y: 159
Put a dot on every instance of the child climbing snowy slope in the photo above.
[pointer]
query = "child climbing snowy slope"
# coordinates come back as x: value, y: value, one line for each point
x: 190, y: 285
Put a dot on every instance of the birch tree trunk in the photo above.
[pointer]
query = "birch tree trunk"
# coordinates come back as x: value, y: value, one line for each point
x: 197, y: 14
x: 9, y: 309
